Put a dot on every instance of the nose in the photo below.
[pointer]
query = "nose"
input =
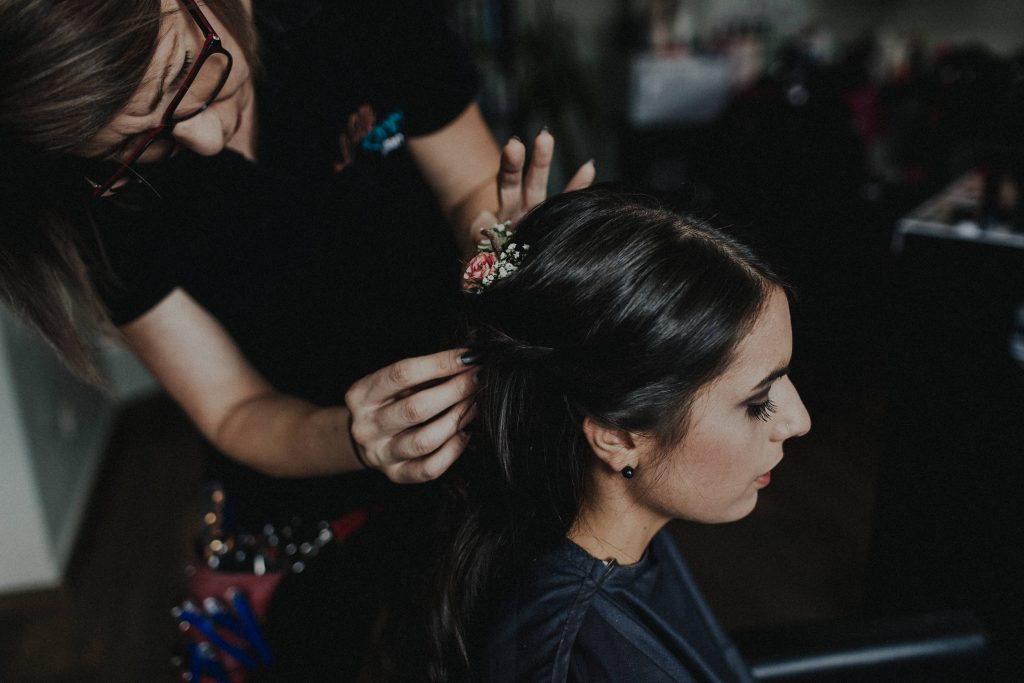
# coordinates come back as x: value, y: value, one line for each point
x: 794, y: 420
x: 203, y: 134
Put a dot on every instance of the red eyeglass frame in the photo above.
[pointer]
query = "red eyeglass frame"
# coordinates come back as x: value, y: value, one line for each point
x: 211, y: 45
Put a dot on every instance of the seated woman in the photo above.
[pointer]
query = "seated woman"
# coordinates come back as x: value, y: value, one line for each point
x: 633, y: 371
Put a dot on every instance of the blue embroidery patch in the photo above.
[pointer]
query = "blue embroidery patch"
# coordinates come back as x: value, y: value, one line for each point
x: 385, y: 137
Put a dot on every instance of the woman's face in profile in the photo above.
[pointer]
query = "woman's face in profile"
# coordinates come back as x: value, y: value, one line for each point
x: 738, y: 424
x: 178, y: 43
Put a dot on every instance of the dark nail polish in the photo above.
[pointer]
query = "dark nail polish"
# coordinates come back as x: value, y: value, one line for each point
x: 470, y: 358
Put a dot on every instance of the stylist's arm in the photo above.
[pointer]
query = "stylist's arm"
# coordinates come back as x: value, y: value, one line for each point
x: 410, y: 436
x: 459, y: 161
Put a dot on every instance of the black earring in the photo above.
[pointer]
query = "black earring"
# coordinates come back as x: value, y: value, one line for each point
x: 628, y: 472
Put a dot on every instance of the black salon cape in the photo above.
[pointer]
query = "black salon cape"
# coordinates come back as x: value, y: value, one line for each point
x: 325, y: 261
x: 575, y: 618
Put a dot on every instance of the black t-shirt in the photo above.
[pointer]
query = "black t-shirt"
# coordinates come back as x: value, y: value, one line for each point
x: 328, y: 258
x: 575, y: 618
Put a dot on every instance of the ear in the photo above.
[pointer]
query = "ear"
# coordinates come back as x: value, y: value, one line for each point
x: 616, y: 448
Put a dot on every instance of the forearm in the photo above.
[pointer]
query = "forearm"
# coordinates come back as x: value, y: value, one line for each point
x: 463, y: 215
x: 459, y: 163
x: 406, y: 433
x: 284, y: 436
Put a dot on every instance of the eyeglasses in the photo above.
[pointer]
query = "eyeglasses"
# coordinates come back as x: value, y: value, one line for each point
x: 201, y: 86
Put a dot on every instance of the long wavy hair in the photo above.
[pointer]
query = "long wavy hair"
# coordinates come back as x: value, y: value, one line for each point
x: 67, y: 68
x: 620, y: 313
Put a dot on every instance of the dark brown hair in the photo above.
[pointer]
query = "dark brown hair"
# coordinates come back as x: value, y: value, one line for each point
x: 67, y: 68
x: 621, y: 312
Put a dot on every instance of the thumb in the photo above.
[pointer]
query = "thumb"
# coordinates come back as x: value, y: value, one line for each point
x: 484, y: 220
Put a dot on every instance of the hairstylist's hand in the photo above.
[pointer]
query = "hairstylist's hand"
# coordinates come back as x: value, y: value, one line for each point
x: 518, y: 192
x: 407, y: 418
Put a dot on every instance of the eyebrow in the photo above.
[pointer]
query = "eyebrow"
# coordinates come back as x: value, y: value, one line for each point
x: 781, y: 372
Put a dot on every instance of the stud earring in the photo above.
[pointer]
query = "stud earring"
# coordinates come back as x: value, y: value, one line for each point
x: 628, y: 472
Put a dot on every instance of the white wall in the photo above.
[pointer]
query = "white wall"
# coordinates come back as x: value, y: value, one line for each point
x: 26, y: 560
x: 53, y: 431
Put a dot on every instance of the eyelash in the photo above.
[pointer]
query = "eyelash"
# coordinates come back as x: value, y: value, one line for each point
x: 762, y: 411
x: 189, y: 59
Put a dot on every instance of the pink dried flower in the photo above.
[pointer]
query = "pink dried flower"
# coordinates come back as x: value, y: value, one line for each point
x: 479, y: 267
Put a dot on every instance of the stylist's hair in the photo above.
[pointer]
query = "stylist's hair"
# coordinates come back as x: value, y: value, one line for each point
x: 67, y: 67
x: 620, y: 312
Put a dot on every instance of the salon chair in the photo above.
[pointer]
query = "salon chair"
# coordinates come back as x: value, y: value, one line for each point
x: 949, y: 507
x: 939, y: 647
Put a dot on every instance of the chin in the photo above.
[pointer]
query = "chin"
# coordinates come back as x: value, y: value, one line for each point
x: 733, y: 513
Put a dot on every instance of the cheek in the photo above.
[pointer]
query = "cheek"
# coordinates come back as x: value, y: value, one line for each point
x: 239, y: 73
x: 722, y: 450
x: 712, y: 478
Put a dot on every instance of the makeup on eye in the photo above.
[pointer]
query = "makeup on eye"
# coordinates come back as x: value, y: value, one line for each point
x: 762, y: 411
x: 760, y: 406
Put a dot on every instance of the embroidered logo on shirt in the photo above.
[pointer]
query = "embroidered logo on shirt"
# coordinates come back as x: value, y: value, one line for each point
x: 364, y: 132
x: 386, y: 136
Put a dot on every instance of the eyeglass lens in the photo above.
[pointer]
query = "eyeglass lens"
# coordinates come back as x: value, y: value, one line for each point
x: 204, y: 88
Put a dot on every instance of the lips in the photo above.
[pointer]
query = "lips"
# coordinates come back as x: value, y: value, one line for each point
x: 766, y: 478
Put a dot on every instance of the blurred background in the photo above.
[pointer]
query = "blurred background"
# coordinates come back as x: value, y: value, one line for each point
x: 875, y: 151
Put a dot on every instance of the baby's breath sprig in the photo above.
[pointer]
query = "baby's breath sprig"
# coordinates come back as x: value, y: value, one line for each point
x: 509, y: 261
x: 497, y: 258
x: 496, y: 237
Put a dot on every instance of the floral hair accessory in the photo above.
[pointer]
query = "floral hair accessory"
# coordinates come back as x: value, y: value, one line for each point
x: 497, y: 258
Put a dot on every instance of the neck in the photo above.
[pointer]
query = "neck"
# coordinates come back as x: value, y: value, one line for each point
x: 612, y: 524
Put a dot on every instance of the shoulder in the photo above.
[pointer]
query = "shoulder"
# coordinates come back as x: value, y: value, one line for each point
x: 397, y: 56
x: 607, y: 649
x: 651, y: 623
x: 533, y: 635
x: 615, y: 641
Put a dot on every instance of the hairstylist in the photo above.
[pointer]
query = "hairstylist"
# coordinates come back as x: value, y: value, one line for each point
x: 267, y: 202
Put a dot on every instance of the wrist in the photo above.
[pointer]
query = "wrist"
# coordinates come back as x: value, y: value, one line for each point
x: 357, y: 451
